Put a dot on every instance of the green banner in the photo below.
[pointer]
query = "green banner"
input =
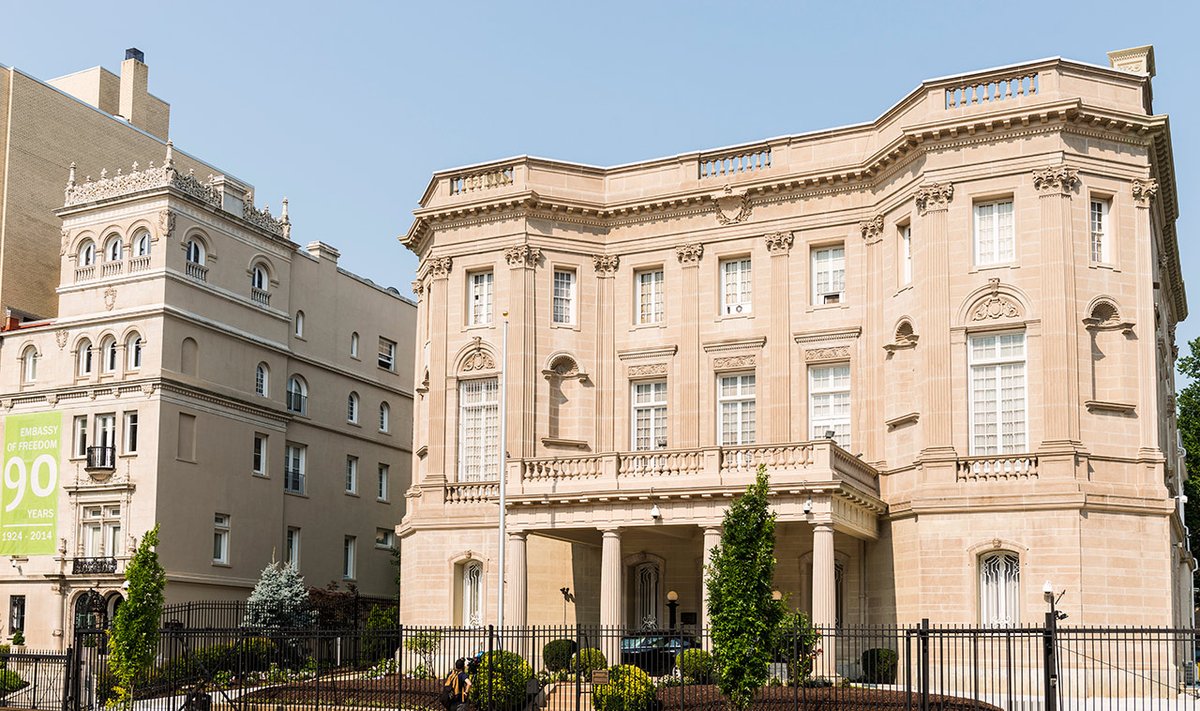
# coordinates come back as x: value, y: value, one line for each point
x: 29, y: 499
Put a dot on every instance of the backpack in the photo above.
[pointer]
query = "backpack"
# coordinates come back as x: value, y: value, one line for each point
x: 450, y: 693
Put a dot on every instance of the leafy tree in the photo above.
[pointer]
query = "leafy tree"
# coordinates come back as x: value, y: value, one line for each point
x: 743, y: 617
x: 134, y: 638
x: 1189, y: 430
x: 279, y: 599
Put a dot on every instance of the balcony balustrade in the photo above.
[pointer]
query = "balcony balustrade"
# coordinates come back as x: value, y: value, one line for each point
x: 101, y: 459
x: 94, y: 566
x: 260, y: 296
x: 138, y: 264
x: 199, y: 272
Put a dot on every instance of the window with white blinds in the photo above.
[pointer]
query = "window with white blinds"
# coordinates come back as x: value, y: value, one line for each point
x: 736, y: 414
x: 829, y: 275
x: 650, y: 296
x: 650, y: 415
x: 564, y: 296
x: 829, y: 402
x: 478, y: 430
x: 735, y: 286
x: 994, y: 239
x: 481, y: 298
x: 1100, y: 241
x: 998, y: 398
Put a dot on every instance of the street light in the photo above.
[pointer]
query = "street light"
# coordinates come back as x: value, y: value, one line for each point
x: 672, y: 605
x: 1052, y: 600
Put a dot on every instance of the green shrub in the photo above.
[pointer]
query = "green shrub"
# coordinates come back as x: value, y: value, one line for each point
x: 588, y: 660
x: 4, y: 652
x: 879, y: 666
x: 557, y: 653
x: 380, y: 640
x: 18, y: 638
x: 628, y: 689
x: 502, y: 677
x: 10, y: 681
x: 695, y: 665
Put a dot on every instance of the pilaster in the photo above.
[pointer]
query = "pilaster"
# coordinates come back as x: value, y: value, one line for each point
x: 774, y: 379
x: 521, y: 371
x: 605, y: 267
x: 1144, y: 191
x: 931, y: 247
x: 686, y: 391
x: 440, y: 435
x: 866, y: 420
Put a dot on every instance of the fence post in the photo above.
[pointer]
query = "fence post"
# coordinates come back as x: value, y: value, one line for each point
x: 924, y: 652
x: 68, y: 673
x: 491, y: 662
x: 1049, y: 664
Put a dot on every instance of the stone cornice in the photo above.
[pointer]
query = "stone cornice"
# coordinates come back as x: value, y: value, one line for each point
x: 737, y: 344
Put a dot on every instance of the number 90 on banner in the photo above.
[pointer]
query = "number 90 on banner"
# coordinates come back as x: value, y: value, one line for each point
x: 30, y: 484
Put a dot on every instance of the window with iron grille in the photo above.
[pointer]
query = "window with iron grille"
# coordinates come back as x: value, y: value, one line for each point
x: 294, y: 459
x: 1000, y: 589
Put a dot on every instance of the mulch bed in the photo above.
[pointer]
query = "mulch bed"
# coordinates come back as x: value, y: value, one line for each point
x: 379, y: 693
x: 785, y: 698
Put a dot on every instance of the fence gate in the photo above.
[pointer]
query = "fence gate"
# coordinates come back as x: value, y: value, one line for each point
x: 43, y: 677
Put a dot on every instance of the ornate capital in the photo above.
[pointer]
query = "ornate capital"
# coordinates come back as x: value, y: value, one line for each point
x: 934, y: 197
x: 439, y: 267
x: 605, y: 265
x: 779, y: 242
x: 522, y: 256
x: 689, y: 254
x: 732, y: 207
x: 872, y: 229
x: 166, y: 223
x: 418, y: 288
x: 65, y: 242
x: 1055, y: 180
x: 1144, y: 191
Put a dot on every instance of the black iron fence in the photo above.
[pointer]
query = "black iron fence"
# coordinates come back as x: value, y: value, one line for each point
x: 335, y: 611
x: 916, y: 667
x: 32, y: 679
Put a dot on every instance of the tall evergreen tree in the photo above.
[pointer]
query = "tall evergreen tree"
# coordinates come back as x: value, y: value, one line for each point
x: 743, y: 618
x: 133, y: 642
x: 279, y: 600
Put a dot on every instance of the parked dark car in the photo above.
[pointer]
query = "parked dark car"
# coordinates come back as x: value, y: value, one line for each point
x: 655, y: 652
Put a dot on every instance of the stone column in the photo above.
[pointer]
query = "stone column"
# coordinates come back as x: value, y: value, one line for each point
x: 824, y: 595
x: 712, y: 537
x: 441, y: 435
x: 687, y: 388
x: 522, y: 366
x: 606, y: 387
x: 931, y: 243
x: 775, y: 378
x: 611, y: 583
x: 1144, y: 191
x: 517, y: 579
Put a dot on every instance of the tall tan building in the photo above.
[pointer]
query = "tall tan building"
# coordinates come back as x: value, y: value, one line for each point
x: 948, y: 333
x: 205, y: 373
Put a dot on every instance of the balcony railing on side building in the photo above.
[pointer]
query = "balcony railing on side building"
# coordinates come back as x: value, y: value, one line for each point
x: 199, y: 272
x: 96, y: 565
x: 101, y: 458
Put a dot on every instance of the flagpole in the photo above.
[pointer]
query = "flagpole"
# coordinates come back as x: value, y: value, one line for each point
x: 503, y: 466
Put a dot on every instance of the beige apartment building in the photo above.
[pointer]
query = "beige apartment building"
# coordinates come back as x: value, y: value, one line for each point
x: 205, y: 373
x: 948, y: 333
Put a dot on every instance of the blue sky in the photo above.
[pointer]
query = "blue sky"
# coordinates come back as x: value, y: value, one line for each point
x: 348, y: 108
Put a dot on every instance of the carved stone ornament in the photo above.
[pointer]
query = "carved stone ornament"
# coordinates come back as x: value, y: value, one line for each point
x: 166, y: 223
x: 732, y: 207
x: 110, y: 298
x: 934, y: 197
x: 872, y: 229
x: 648, y: 370
x: 66, y: 241
x: 779, y: 242
x: 1144, y: 191
x: 60, y: 337
x: 477, y: 359
x: 605, y: 264
x: 523, y: 256
x: 1055, y: 180
x: 439, y: 267
x: 418, y: 287
x: 738, y: 362
x: 996, y: 305
x: 832, y: 353
x: 689, y: 254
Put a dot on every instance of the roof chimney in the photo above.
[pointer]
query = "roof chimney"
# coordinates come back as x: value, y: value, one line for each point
x: 136, y: 105
x: 135, y: 53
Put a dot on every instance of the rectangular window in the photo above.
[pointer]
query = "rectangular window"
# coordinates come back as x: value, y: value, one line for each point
x: 387, y: 354
x: 994, y: 240
x: 385, y: 538
x: 349, y: 551
x: 481, y: 298
x: 998, y: 401
x: 906, y: 255
x: 650, y: 296
x: 478, y: 430
x: 16, y: 613
x: 106, y: 430
x: 221, y: 538
x: 351, y: 475
x: 829, y: 275
x: 650, y: 415
x: 294, y: 458
x: 829, y: 402
x: 291, y: 547
x: 735, y: 286
x: 80, y: 429
x: 259, y: 466
x: 131, y: 433
x: 382, y: 492
x: 1100, y: 241
x: 564, y: 296
x: 736, y: 415
x: 187, y: 437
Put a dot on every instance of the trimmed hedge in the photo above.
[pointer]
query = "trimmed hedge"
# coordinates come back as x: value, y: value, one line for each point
x: 695, y: 666
x: 588, y: 660
x: 557, y: 653
x: 628, y: 689
x: 879, y: 666
x: 503, y: 677
x: 10, y: 681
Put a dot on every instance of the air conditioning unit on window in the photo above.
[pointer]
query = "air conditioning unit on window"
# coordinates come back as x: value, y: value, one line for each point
x: 834, y: 298
x: 732, y: 309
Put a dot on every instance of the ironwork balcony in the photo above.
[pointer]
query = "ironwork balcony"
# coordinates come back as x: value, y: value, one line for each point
x: 297, y: 402
x: 101, y: 459
x: 94, y: 566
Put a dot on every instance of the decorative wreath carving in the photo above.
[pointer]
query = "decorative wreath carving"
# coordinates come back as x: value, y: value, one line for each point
x: 732, y: 207
x: 477, y: 358
x: 995, y: 305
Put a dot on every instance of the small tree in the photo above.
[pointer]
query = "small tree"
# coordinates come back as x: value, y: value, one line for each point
x: 134, y: 638
x: 743, y: 617
x: 279, y: 599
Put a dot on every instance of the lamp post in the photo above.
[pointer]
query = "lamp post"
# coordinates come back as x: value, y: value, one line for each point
x: 672, y: 606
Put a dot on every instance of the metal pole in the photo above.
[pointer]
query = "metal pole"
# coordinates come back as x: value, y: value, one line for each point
x: 503, y: 465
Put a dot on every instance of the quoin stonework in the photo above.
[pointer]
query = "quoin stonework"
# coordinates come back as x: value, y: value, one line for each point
x: 948, y: 333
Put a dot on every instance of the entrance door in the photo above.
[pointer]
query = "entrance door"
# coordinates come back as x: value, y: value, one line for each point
x: 646, y: 596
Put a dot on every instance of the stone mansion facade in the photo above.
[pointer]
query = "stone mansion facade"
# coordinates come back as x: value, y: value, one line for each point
x: 948, y: 333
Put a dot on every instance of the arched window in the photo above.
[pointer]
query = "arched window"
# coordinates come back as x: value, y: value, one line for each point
x: 299, y: 324
x: 87, y: 254
x: 114, y: 250
x: 262, y: 375
x: 195, y: 252
x: 141, y: 244
x: 85, y: 357
x: 297, y: 395
x: 385, y: 417
x: 29, y: 359
x: 646, y: 598
x: 133, y: 351
x: 258, y: 277
x: 354, y: 344
x: 189, y: 357
x: 108, y: 354
x: 352, y: 408
x: 472, y: 594
x: 999, y: 588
